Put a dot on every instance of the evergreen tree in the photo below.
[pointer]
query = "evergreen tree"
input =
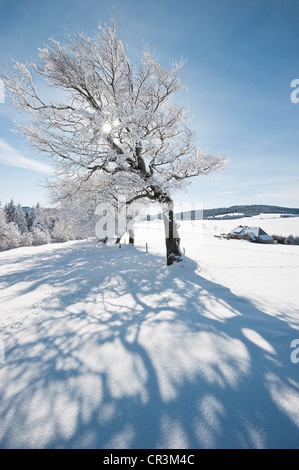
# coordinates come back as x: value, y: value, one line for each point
x: 14, y: 213
x: 10, y: 211
x: 30, y: 218
x: 9, y: 233
x: 20, y: 219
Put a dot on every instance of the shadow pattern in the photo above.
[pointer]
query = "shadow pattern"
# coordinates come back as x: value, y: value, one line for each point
x: 126, y: 352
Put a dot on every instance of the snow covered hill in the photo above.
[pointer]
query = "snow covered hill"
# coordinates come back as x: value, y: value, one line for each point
x: 107, y: 347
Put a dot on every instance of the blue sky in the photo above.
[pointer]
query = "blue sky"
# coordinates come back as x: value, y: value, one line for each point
x: 241, y: 59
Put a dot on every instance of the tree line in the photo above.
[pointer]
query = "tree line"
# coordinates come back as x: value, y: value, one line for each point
x: 36, y: 225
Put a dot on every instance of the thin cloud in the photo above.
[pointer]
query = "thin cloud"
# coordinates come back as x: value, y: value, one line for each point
x: 2, y: 91
x: 12, y: 157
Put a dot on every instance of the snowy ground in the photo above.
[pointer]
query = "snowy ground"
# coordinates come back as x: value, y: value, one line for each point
x: 109, y: 348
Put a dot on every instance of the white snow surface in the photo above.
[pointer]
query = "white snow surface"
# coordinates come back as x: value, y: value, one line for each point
x: 107, y: 347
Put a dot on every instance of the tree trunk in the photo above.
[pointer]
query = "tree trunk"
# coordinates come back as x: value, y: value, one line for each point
x: 131, y: 236
x: 173, y: 252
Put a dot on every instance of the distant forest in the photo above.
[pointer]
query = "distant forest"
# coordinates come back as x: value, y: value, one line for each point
x: 236, y: 212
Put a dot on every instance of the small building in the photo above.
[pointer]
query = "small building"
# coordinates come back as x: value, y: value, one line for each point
x: 253, y: 234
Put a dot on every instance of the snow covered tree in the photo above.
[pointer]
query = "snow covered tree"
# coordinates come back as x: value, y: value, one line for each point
x: 112, y: 118
x: 9, y: 233
x: 30, y: 218
x: 10, y: 211
x: 81, y: 199
x: 15, y: 213
x: 20, y: 219
x: 41, y: 221
x: 40, y: 225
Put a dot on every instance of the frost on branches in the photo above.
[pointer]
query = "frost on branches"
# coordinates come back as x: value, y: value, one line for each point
x: 112, y: 120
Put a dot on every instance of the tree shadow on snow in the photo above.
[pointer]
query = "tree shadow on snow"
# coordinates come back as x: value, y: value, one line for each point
x: 125, y: 352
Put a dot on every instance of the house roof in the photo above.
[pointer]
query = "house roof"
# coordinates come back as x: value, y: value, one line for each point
x: 252, y: 232
x: 265, y: 237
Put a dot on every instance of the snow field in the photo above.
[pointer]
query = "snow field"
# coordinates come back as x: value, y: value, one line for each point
x: 107, y: 347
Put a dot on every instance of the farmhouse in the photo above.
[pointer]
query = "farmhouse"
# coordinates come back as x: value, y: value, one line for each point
x: 253, y: 234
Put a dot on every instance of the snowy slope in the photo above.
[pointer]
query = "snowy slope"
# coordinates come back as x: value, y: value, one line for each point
x: 107, y: 347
